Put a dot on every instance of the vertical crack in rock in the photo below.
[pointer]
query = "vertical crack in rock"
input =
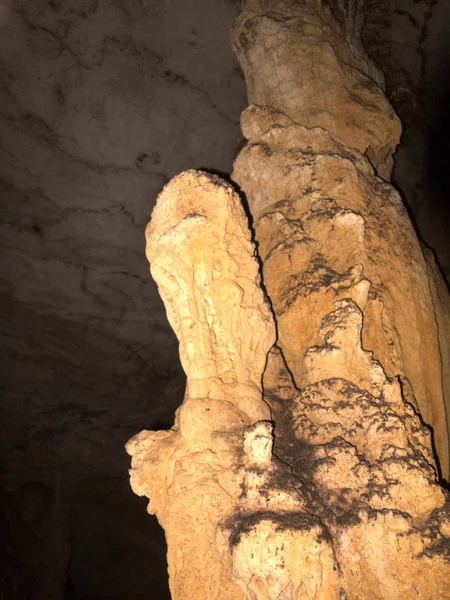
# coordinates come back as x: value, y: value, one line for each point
x: 301, y: 470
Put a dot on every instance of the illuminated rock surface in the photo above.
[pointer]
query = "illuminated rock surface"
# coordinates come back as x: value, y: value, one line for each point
x: 302, y: 469
x: 102, y: 103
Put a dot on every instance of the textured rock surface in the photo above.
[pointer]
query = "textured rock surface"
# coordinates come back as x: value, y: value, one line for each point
x: 328, y: 227
x: 203, y: 261
x: 91, y: 92
x: 102, y: 102
x: 301, y: 469
x: 322, y: 203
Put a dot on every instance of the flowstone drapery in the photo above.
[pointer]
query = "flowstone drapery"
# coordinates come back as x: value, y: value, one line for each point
x: 298, y: 466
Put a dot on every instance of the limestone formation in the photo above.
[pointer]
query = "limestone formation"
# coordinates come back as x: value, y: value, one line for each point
x: 299, y: 466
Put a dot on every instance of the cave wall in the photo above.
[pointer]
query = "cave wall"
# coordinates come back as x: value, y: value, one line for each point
x: 102, y: 102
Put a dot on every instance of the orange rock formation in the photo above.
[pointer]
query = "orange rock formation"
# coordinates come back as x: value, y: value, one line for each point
x: 298, y: 466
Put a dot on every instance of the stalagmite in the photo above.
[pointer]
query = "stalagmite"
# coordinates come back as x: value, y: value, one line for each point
x: 298, y: 466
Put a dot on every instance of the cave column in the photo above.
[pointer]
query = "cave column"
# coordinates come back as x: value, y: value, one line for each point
x: 298, y: 466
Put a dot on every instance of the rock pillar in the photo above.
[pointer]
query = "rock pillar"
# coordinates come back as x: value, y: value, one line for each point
x: 298, y: 466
